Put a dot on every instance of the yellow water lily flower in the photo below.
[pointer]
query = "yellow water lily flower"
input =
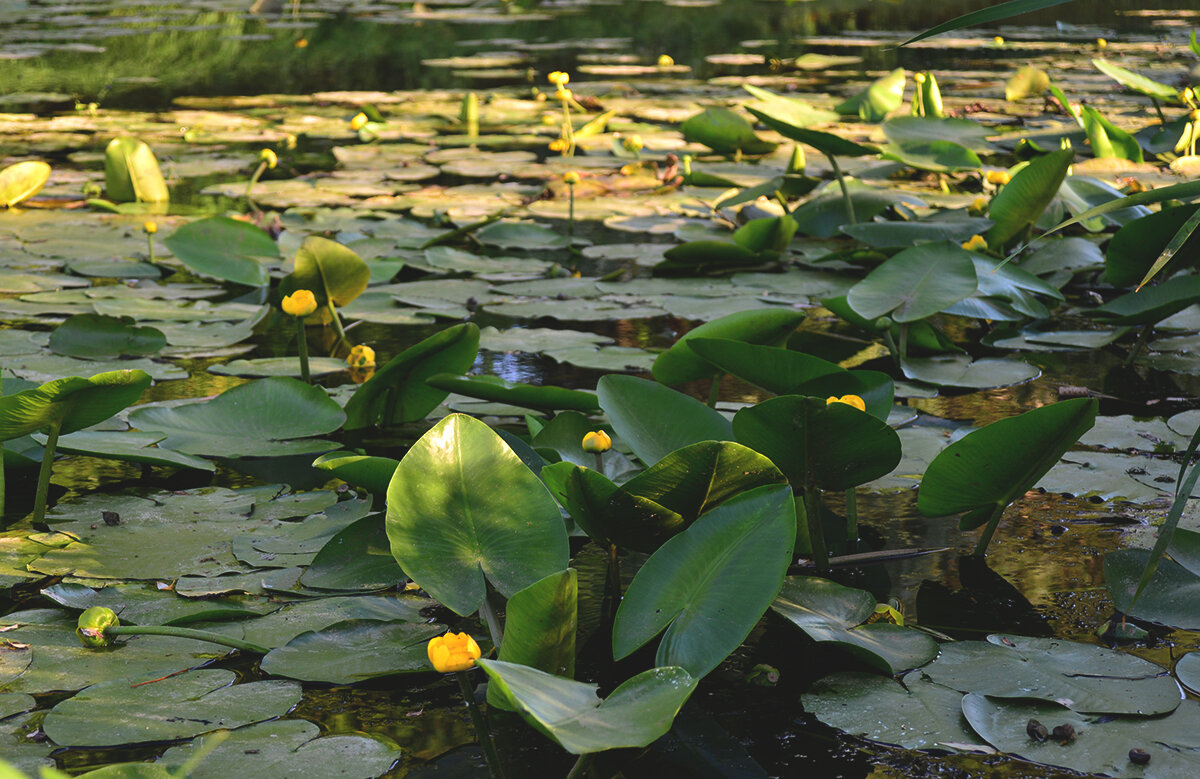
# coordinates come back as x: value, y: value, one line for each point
x: 919, y: 78
x: 665, y: 60
x: 359, y: 121
x: 977, y: 243
x: 1101, y: 43
x: 849, y: 400
x: 979, y: 205
x: 302, y: 302
x: 597, y: 442
x: 269, y: 157
x: 998, y: 40
x: 453, y: 652
x: 559, y: 78
x: 361, y: 356
x: 150, y: 228
x: 559, y: 144
x: 997, y: 177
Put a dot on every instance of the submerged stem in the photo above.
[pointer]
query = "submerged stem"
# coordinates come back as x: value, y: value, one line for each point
x: 581, y: 765
x: 43, y: 484
x: 481, y: 729
x: 851, y: 516
x: 302, y: 345
x: 1139, y: 344
x: 989, y: 531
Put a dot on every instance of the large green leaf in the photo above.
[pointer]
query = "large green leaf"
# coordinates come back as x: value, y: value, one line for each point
x: 539, y: 628
x: 680, y: 364
x: 263, y: 418
x: 915, y: 283
x: 1107, y: 139
x: 1137, y: 82
x: 924, y: 129
x: 990, y: 467
x: 398, y: 391
x: 832, y: 446
x: 571, y: 713
x: 830, y: 613
x: 22, y: 181
x: 357, y: 558
x: 879, y: 99
x: 788, y: 109
x: 936, y: 156
x: 655, y: 420
x: 1023, y: 199
x: 75, y: 401
x: 708, y: 586
x: 226, y: 249
x: 131, y: 172
x: 986, y: 16
x: 329, y: 270
x: 775, y: 369
x: 724, y: 131
x: 496, y: 389
x: 463, y: 510
x: 1150, y: 304
x: 607, y: 513
x: 826, y: 143
x: 118, y: 712
x: 99, y: 337
x: 371, y: 473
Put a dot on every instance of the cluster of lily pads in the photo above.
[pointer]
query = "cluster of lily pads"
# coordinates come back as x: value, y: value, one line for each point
x: 544, y: 520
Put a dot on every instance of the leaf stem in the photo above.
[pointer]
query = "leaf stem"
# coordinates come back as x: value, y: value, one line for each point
x: 581, y: 765
x: 837, y: 171
x: 1139, y: 344
x: 43, y: 484
x: 481, y: 729
x: 714, y: 390
x: 262, y: 167
x: 492, y: 620
x: 989, y: 531
x: 571, y: 211
x: 199, y: 635
x: 816, y: 533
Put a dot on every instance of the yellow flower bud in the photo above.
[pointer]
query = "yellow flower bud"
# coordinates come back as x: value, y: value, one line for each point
x: 999, y: 41
x: 359, y: 121
x: 849, y: 400
x: 597, y: 442
x: 571, y: 178
x: 269, y: 157
x: 150, y: 228
x: 289, y: 141
x: 1101, y: 43
x: 559, y: 144
x: 550, y: 119
x: 453, y: 652
x: 92, y: 624
x: 975, y: 244
x: 919, y: 78
x: 979, y: 205
x: 300, y: 303
x: 665, y: 60
x: 361, y: 356
x: 997, y: 177
x: 564, y: 94
x: 632, y: 143
x: 1188, y: 94
x: 559, y: 78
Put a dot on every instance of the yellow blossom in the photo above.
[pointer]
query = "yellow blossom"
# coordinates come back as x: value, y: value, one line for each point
x: 975, y: 244
x: 997, y: 177
x: 849, y: 400
x: 453, y: 652
x: 919, y: 78
x: 302, y: 43
x: 1101, y: 43
x: 999, y: 41
x: 559, y: 144
x: 571, y: 178
x: 550, y: 119
x: 597, y: 442
x: 359, y: 121
x: 269, y: 157
x: 665, y: 60
x: 559, y: 78
x: 979, y: 205
x: 150, y: 227
x: 632, y: 143
x: 361, y: 356
x: 302, y: 302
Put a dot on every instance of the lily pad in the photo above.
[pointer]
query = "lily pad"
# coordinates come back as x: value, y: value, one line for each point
x: 961, y: 371
x: 354, y: 651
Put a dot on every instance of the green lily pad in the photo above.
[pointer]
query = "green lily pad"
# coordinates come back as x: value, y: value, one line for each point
x: 114, y: 713
x: 262, y: 367
x: 226, y: 249
x: 140, y: 604
x: 354, y: 651
x: 961, y: 371
x: 358, y: 558
x: 287, y: 749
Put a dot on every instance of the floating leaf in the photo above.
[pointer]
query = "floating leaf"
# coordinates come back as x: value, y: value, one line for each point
x: 354, y: 651
x: 725, y: 132
x: 98, y: 337
x: 226, y: 249
x: 499, y: 390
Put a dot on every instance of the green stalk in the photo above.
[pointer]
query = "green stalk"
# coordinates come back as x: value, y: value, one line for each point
x: 1, y: 468
x: 614, y: 578
x: 837, y: 171
x: 495, y: 627
x: 989, y: 530
x: 851, y: 517
x: 903, y: 342
x: 302, y: 345
x: 262, y: 168
x: 1139, y: 344
x: 1162, y: 119
x: 816, y: 533
x: 714, y: 390
x: 568, y: 131
x: 150, y: 246
x: 571, y: 211
x: 199, y: 635
x: 581, y: 765
x: 481, y: 729
x: 337, y: 321
x: 43, y: 485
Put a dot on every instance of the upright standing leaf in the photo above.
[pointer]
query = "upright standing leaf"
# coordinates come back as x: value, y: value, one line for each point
x: 1021, y: 203
x: 879, y: 99
x: 915, y: 283
x: 760, y: 326
x: 22, y: 181
x: 328, y: 270
x: 131, y: 173
x: 709, y: 585
x: 656, y: 420
x: 78, y: 402
x: 463, y: 510
x: 539, y: 628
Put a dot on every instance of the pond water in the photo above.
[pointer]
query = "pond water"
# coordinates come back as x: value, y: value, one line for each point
x: 209, y: 84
